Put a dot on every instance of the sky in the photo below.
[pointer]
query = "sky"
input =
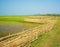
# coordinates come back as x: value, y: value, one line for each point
x: 29, y: 7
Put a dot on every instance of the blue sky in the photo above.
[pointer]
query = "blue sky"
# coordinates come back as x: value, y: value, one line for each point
x: 29, y: 7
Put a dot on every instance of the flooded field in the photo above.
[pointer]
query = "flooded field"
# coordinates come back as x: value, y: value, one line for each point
x: 8, y: 28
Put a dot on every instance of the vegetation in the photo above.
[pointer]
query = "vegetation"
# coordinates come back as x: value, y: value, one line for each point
x: 14, y: 24
x: 51, y: 39
x: 47, y: 15
x: 11, y: 18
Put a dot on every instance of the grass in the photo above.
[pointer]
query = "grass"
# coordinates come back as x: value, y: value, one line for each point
x: 2, y: 23
x: 12, y: 18
x: 5, y: 20
x: 51, y: 39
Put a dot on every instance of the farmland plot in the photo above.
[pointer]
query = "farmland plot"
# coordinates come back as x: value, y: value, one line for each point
x: 8, y: 28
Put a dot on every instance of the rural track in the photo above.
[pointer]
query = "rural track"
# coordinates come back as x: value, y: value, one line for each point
x: 13, y: 36
x: 29, y: 36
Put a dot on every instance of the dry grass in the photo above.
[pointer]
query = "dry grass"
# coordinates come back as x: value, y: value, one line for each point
x: 51, y: 39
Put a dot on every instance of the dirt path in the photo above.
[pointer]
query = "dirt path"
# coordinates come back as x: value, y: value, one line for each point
x: 50, y: 39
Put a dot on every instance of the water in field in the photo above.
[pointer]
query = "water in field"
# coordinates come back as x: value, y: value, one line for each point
x: 8, y: 29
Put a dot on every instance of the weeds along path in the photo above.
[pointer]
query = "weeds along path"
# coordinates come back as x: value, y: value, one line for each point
x: 50, y: 39
x: 27, y: 37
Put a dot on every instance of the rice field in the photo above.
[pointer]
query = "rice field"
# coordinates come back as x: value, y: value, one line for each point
x: 11, y: 25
